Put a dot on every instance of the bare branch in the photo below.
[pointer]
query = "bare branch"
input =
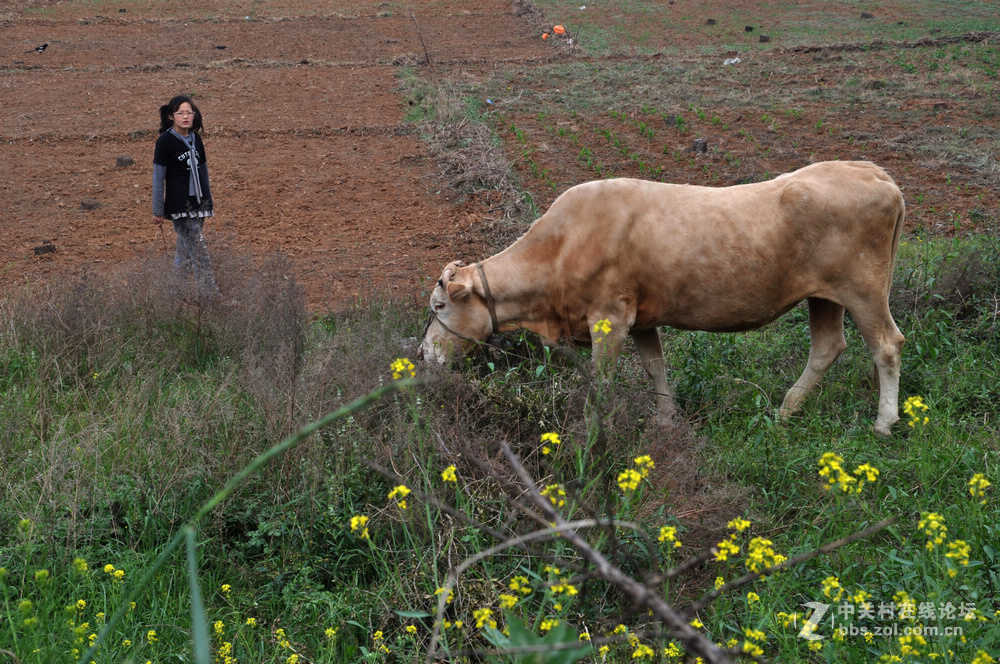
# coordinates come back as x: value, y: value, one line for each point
x: 791, y: 562
x: 693, y: 640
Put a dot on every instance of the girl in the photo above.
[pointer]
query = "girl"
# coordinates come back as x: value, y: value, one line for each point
x: 180, y: 187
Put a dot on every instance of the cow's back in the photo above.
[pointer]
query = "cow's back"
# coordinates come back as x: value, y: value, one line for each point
x: 721, y: 258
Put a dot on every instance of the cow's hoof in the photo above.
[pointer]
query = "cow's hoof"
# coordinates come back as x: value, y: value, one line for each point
x: 883, y: 428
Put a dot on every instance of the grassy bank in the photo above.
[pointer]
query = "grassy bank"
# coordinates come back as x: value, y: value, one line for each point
x: 125, y: 409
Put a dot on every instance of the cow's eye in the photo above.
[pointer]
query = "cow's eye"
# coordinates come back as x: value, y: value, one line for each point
x: 438, y: 306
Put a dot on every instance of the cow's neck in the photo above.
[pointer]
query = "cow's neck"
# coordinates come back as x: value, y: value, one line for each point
x: 520, y: 283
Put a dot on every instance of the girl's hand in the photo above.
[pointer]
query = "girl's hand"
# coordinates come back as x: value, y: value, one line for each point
x: 158, y: 221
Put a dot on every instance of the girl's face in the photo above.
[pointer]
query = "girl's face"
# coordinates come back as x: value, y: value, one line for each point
x: 183, y: 118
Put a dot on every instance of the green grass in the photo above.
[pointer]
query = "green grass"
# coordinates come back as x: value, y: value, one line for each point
x: 106, y: 468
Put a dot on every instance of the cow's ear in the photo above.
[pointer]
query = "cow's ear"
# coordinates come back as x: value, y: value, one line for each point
x: 457, y: 290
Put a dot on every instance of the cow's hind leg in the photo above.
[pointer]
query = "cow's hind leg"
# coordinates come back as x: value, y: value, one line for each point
x: 885, y: 342
x: 826, y: 332
x: 651, y: 354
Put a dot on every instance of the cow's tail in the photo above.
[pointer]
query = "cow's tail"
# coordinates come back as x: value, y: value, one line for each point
x: 897, y: 233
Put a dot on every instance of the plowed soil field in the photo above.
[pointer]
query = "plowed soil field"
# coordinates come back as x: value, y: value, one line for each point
x: 311, y: 153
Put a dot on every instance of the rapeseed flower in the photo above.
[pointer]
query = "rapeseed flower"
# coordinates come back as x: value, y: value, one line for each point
x: 411, y: 629
x: 359, y: 525
x: 378, y: 642
x: 958, y: 550
x: 550, y: 441
x: 669, y: 534
x: 81, y: 604
x: 977, y: 487
x: 752, y: 649
x: 982, y: 657
x: 330, y: 632
x: 401, y: 366
x: 644, y: 464
x: 629, y: 479
x: 761, y: 555
x: 719, y: 582
x: 151, y: 637
x: 448, y: 475
x: 484, y: 618
x: 914, y: 406
x: 226, y: 588
x: 80, y: 565
x: 932, y: 524
x: 725, y: 549
x: 602, y: 327
x: 832, y: 470
x: 251, y: 622
x: 752, y: 597
x: 507, y: 601
x: 548, y: 624
x: 41, y: 576
x: 556, y: 494
x: 832, y: 588
x: 399, y: 494
x: 443, y: 590
x: 219, y: 627
x: 642, y: 651
x: 519, y: 584
x: 738, y: 524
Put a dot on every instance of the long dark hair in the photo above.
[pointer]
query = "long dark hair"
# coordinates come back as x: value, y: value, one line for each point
x: 167, y: 111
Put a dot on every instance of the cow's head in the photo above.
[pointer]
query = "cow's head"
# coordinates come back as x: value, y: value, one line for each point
x: 459, y: 314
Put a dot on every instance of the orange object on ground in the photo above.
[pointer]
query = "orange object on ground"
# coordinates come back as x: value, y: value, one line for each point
x: 559, y: 30
x: 545, y: 35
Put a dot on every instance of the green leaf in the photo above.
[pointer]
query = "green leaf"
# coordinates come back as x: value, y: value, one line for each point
x: 412, y: 614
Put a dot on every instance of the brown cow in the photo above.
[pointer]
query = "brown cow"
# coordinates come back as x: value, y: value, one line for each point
x: 641, y: 254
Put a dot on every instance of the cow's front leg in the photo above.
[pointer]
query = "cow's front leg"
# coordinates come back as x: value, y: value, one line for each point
x: 651, y: 354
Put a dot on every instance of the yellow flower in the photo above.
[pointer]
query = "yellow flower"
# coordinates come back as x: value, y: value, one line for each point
x: 602, y: 327
x: 629, y: 479
x: 484, y: 617
x: 80, y: 565
x: 292, y: 659
x: 755, y: 634
x: 151, y: 636
x: 932, y: 524
x: 359, y: 525
x: 550, y: 438
x: 520, y: 584
x: 832, y: 588
x: 556, y: 494
x: 448, y: 474
x: 958, y: 551
x: 548, y: 624
x: 726, y: 548
x: 507, y: 601
x: 620, y: 629
x: 669, y: 534
x: 218, y: 627
x: 738, y: 524
x: 411, y: 629
x: 81, y: 604
x: 584, y: 636
x: 399, y: 494
x: 982, y: 657
x: 400, y: 366
x: 697, y: 624
x: 109, y: 569
x: 977, y: 487
x: 119, y: 574
x: 251, y: 622
x: 330, y: 632
x: 442, y: 590
x: 761, y: 555
x: 752, y: 597
x: 603, y: 651
x: 552, y: 569
x: 752, y: 649
x: 645, y: 464
x: 126, y: 643
x: 832, y: 470
x: 642, y: 651
x: 719, y: 582
x: 41, y: 576
x: 226, y: 588
x: 914, y: 406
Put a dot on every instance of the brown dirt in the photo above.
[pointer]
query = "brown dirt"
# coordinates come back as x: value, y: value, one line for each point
x: 310, y: 153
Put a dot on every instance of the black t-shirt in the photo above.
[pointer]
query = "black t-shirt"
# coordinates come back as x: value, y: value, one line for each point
x: 172, y: 153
